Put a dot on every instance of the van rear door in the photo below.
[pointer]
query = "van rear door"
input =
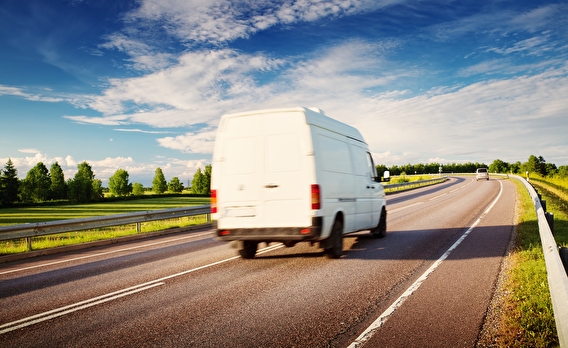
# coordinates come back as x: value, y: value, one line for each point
x: 264, y: 183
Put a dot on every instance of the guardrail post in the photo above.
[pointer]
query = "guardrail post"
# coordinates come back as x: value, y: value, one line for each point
x: 208, y: 217
x: 138, y: 227
x: 543, y: 204
x: 550, y: 220
x: 563, y: 251
x: 29, y: 243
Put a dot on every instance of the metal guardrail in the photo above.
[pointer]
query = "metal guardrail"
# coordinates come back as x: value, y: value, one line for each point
x: 557, y: 278
x: 414, y: 184
x: 52, y: 227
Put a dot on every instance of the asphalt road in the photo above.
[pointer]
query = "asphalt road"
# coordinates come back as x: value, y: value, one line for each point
x: 427, y: 284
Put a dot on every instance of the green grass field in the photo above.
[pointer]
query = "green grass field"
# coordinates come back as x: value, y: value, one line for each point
x: 44, y: 213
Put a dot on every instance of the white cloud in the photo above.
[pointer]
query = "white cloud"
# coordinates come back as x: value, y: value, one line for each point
x: 201, y: 143
x: 218, y: 21
x: 483, y: 121
x: 194, y: 91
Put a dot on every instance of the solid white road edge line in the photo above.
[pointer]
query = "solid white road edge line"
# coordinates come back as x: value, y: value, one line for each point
x: 37, y: 318
x: 370, y: 331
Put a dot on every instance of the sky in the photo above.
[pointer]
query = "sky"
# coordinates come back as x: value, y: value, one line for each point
x: 142, y: 84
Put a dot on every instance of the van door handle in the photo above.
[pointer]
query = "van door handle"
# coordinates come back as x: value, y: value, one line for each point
x: 271, y: 186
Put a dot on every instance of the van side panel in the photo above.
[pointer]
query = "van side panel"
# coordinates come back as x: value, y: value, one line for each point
x: 363, y: 187
x: 335, y: 176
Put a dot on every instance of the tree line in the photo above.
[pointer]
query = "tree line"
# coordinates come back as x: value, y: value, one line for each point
x: 534, y: 165
x: 41, y: 184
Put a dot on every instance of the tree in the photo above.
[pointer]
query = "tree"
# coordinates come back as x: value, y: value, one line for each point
x: 207, y: 180
x: 97, y: 193
x: 563, y: 171
x: 159, y: 184
x: 197, y: 183
x: 9, y: 184
x: 35, y: 187
x: 535, y: 165
x: 137, y: 189
x: 58, y: 186
x: 498, y: 166
x: 175, y: 185
x: 118, y: 183
x: 82, y: 188
x: 201, y: 182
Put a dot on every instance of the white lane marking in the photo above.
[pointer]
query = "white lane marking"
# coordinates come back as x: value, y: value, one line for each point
x: 442, y: 195
x: 405, y: 207
x: 372, y: 329
x: 105, y: 253
x: 38, y: 318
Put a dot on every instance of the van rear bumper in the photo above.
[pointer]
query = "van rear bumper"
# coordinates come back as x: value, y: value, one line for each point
x: 274, y: 234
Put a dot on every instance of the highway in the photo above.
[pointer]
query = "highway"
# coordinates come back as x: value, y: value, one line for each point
x: 427, y: 283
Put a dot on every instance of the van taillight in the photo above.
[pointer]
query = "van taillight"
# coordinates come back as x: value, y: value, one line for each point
x: 213, y: 201
x: 316, y: 202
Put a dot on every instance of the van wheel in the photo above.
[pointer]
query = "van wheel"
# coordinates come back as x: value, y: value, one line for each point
x: 249, y: 249
x: 381, y: 230
x: 336, y: 249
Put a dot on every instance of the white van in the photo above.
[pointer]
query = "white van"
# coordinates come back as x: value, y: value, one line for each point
x: 293, y: 175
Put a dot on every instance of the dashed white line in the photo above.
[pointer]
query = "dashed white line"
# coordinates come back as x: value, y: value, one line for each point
x: 442, y: 195
x: 405, y: 207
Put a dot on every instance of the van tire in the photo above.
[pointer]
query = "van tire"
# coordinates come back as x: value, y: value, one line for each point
x: 381, y: 230
x: 335, y: 249
x: 249, y: 249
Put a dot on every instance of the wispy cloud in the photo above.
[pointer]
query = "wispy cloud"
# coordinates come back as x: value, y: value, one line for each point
x: 135, y: 130
x: 219, y: 21
x: 20, y: 92
x: 29, y: 151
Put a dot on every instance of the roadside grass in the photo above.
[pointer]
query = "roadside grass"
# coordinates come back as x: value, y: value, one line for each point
x: 61, y: 212
x: 403, y: 179
x: 399, y: 179
x: 527, y: 319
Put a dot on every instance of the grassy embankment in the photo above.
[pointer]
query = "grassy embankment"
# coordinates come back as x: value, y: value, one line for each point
x: 41, y: 213
x: 401, y: 179
x: 527, y: 319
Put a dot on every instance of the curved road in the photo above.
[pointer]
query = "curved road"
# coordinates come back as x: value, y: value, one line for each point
x: 428, y: 283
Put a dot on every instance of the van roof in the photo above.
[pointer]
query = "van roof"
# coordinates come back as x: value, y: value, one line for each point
x: 314, y: 116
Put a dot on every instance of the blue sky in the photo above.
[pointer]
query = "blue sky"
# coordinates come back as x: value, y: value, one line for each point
x: 141, y: 84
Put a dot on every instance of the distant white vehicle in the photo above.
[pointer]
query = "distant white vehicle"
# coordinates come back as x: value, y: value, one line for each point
x: 293, y: 175
x: 481, y: 174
